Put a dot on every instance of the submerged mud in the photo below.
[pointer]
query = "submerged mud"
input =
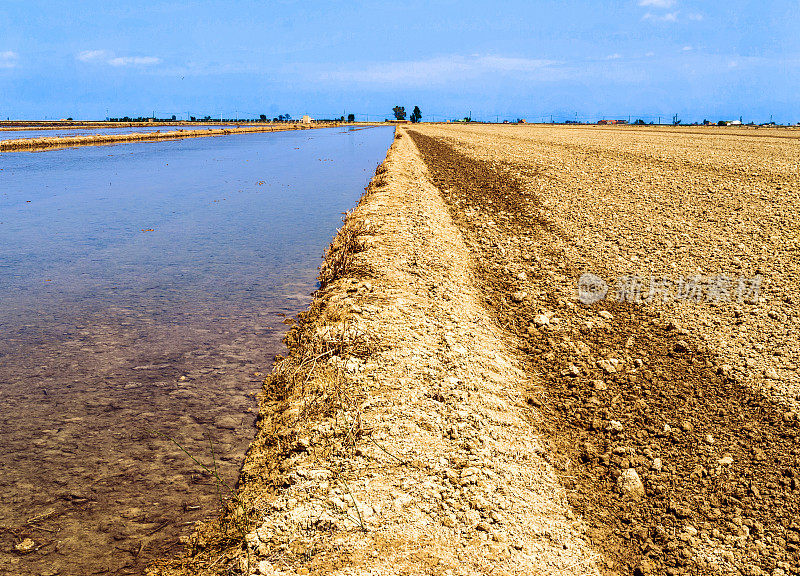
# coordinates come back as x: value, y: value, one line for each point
x: 718, y: 460
x: 90, y: 472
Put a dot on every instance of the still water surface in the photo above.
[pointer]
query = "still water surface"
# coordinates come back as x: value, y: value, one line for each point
x: 143, y: 288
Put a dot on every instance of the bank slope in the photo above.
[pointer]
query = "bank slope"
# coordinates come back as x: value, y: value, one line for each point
x: 394, y: 438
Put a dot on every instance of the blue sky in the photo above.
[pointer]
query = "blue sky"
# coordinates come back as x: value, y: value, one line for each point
x: 529, y: 59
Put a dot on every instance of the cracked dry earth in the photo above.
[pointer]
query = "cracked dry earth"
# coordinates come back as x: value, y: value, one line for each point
x: 449, y: 406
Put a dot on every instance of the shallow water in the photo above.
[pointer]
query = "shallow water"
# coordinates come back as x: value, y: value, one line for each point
x: 143, y: 289
x: 63, y: 132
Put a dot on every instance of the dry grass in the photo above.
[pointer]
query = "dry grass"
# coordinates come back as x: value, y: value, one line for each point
x: 341, y: 259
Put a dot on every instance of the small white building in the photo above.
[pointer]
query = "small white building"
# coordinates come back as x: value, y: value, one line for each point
x: 306, y: 119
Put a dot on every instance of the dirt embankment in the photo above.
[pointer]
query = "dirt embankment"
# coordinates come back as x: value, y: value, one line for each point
x: 14, y: 125
x: 393, y: 439
x: 37, y: 144
x: 449, y: 406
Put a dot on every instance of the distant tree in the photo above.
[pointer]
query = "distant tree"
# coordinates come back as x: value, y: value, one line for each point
x: 351, y: 117
x: 399, y: 112
x: 70, y: 118
x: 192, y: 118
x: 639, y: 122
x: 341, y: 118
x: 263, y: 117
x: 416, y: 115
x: 174, y: 118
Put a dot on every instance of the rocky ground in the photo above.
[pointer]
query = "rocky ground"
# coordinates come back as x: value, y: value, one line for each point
x: 451, y: 406
x: 671, y: 202
x: 692, y: 399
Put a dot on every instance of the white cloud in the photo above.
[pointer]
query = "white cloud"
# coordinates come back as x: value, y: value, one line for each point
x: 8, y: 59
x: 696, y: 16
x: 657, y: 3
x: 668, y: 17
x: 93, y: 55
x: 440, y: 70
x: 106, y: 57
x: 687, y: 48
x: 615, y: 56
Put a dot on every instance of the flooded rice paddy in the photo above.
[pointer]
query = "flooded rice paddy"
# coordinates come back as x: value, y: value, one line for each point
x: 143, y: 291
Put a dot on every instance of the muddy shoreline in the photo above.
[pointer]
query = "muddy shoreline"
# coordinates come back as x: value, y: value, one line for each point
x: 13, y: 125
x: 392, y: 437
x: 39, y: 144
x: 449, y: 406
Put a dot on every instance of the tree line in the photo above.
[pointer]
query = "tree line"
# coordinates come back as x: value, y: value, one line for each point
x: 400, y: 113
